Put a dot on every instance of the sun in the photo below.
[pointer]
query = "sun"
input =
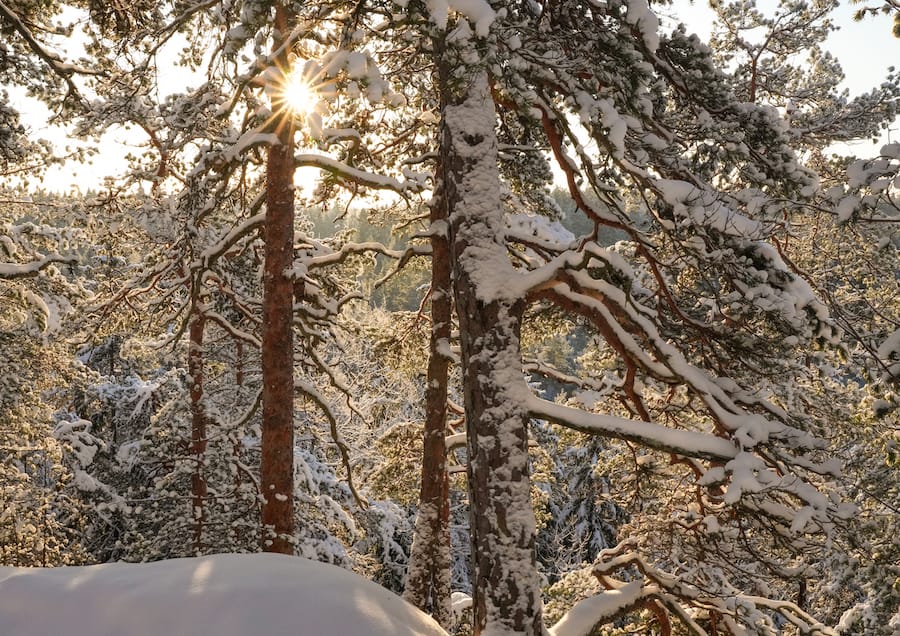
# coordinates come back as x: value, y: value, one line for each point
x: 298, y: 94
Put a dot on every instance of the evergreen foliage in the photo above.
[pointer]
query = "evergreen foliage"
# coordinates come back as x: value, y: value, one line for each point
x: 666, y: 397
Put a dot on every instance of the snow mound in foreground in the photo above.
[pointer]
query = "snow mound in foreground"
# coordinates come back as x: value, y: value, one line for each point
x: 220, y: 595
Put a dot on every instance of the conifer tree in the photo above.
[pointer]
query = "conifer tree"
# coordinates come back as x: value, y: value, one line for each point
x: 700, y: 340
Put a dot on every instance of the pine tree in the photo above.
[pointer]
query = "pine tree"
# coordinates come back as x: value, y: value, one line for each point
x: 277, y: 466
x: 701, y: 353
x: 696, y: 293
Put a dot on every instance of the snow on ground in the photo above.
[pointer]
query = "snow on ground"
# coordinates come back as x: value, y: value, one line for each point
x: 220, y: 595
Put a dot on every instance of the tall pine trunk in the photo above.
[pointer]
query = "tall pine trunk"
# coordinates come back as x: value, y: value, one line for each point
x: 428, y: 580
x: 199, y: 421
x: 277, y: 465
x: 506, y: 586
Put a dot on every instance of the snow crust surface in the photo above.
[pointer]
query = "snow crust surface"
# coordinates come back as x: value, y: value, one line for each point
x: 219, y: 595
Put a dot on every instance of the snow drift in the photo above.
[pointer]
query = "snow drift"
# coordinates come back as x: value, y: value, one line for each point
x: 220, y: 595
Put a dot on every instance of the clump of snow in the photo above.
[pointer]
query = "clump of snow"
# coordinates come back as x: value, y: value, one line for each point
x: 889, y: 352
x: 641, y: 16
x: 478, y: 12
x: 77, y: 432
x: 84, y: 482
x: 863, y: 614
x: 356, y: 64
x: 219, y: 595
x: 460, y: 602
x: 890, y: 346
x: 845, y: 209
x: 703, y: 208
x: 589, y: 399
x: 539, y: 229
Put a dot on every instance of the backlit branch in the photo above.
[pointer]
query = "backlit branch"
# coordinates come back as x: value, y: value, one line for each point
x: 62, y: 69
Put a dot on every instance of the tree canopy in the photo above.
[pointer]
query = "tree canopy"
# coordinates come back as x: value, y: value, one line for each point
x: 541, y: 303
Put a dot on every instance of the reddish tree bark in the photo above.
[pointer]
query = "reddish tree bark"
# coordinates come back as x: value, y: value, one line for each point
x: 199, y: 421
x: 277, y: 465
x: 428, y: 581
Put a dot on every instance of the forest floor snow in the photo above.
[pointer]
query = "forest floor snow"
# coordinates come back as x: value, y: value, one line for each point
x: 219, y: 595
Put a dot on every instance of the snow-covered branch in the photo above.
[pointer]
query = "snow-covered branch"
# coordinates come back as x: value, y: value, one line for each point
x: 359, y: 177
x: 62, y: 69
x: 27, y: 270
x: 351, y: 248
x: 684, y: 601
x: 681, y: 442
x: 590, y: 613
x: 234, y: 235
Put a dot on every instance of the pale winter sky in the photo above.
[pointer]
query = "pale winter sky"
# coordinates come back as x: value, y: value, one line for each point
x: 865, y: 49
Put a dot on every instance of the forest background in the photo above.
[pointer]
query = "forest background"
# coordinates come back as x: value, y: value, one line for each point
x: 577, y: 306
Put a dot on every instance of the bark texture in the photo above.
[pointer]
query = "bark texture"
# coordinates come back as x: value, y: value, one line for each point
x: 199, y: 421
x: 506, y: 587
x: 428, y: 579
x: 277, y: 466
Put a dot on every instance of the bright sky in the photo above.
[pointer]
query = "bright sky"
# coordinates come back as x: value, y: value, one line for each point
x: 865, y: 49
